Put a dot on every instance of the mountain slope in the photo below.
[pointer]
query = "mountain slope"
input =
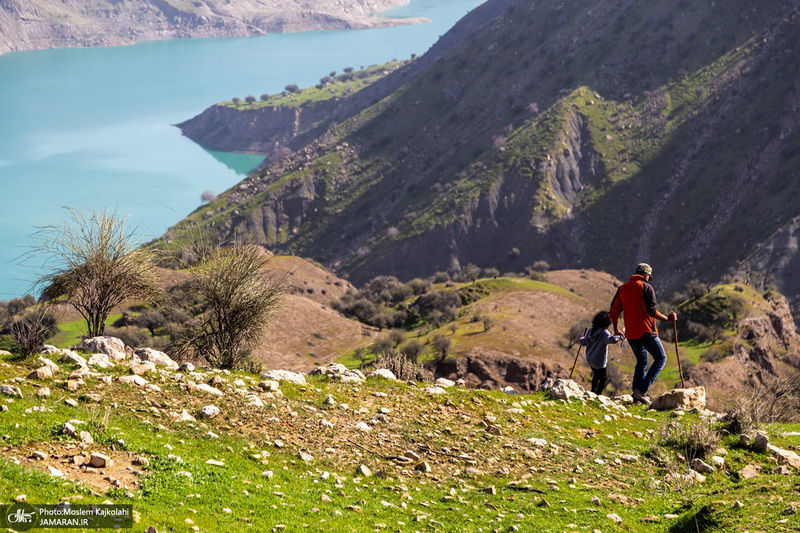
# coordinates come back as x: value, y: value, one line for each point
x: 593, y: 134
x: 36, y: 24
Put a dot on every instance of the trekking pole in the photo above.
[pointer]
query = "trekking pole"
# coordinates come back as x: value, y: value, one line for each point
x: 577, y: 355
x: 678, y: 355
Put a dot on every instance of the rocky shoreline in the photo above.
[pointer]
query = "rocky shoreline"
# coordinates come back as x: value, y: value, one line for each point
x: 42, y: 24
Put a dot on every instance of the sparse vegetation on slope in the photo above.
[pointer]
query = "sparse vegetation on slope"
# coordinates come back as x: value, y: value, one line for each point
x: 330, y: 455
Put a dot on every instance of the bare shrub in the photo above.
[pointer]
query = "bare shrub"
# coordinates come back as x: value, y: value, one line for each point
x: 774, y: 400
x: 442, y: 345
x: 402, y: 367
x: 29, y: 332
x: 693, y: 438
x: 95, y: 264
x: 208, y: 196
x: 241, y: 298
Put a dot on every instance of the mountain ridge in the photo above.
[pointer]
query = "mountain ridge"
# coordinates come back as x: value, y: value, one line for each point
x: 538, y: 136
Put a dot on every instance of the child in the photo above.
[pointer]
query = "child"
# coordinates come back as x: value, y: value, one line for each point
x: 596, y: 341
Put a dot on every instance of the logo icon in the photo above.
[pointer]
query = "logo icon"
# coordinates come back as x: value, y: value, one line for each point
x: 21, y: 516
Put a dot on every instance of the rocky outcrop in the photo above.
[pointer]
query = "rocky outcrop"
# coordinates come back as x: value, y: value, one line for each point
x: 496, y: 371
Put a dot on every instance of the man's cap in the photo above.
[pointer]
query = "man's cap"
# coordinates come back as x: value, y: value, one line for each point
x: 644, y: 268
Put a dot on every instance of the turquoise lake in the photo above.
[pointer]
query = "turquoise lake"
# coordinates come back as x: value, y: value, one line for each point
x: 92, y: 127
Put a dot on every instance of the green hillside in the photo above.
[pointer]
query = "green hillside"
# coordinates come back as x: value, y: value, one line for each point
x: 597, y: 134
x: 389, y: 456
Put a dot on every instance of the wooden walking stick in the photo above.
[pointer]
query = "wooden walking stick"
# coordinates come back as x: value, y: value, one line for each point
x: 678, y: 355
x: 577, y: 355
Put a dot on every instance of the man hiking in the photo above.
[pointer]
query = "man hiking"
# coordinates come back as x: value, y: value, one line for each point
x: 636, y: 300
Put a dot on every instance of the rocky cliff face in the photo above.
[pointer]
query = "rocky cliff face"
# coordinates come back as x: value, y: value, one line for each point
x: 37, y: 24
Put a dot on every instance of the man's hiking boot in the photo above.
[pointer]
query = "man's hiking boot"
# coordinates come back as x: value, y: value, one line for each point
x: 639, y: 397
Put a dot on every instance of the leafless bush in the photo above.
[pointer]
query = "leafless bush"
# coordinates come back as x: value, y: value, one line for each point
x: 774, y: 400
x: 241, y: 299
x: 95, y: 264
x: 693, y: 438
x: 30, y: 331
x: 403, y: 368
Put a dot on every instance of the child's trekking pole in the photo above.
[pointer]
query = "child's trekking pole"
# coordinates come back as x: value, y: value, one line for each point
x: 678, y: 355
x: 577, y: 355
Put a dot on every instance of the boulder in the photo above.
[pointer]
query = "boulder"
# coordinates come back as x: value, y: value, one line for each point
x: 702, y: 467
x: 284, y: 375
x: 384, y: 373
x: 10, y: 390
x: 157, y: 358
x: 139, y: 381
x: 49, y: 364
x: 445, y: 383
x: 209, y: 389
x: 785, y: 457
x: 564, y: 389
x: 99, y: 460
x: 188, y: 367
x: 101, y: 360
x: 270, y: 385
x: 143, y: 368
x: 68, y: 356
x: 210, y: 411
x: 690, y: 398
x: 434, y: 390
x: 111, y: 346
x: 333, y: 368
x: 761, y: 442
x: 41, y: 373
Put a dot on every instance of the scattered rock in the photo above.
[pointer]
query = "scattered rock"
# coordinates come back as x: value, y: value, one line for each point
x: 49, y: 364
x: 183, y: 416
x: 214, y: 462
x: 702, y: 467
x: 564, y: 389
x: 363, y: 426
x: 382, y: 373
x: 55, y: 472
x: 99, y: 460
x: 748, y: 472
x: 209, y: 389
x: 690, y: 398
x: 39, y: 456
x: 434, y: 390
x: 86, y: 437
x: 745, y: 440
x: 718, y: 461
x: 306, y: 457
x: 111, y: 346
x: 40, y: 373
x: 210, y: 411
x: 737, y: 504
x: 510, y: 390
x: 44, y: 392
x: 10, y: 390
x: 186, y: 366
x: 71, y: 402
x: 785, y: 457
x: 783, y: 470
x: 363, y: 470
x: 141, y: 461
x: 444, y: 382
x: 614, y: 518
x: 284, y: 375
x: 139, y: 381
x: 157, y: 358
x: 68, y: 356
x: 760, y: 442
x: 143, y: 368
x: 270, y: 385
x: 100, y: 360
x: 423, y: 467
x: 489, y: 490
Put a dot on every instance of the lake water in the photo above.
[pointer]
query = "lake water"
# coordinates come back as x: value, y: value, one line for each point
x: 91, y: 127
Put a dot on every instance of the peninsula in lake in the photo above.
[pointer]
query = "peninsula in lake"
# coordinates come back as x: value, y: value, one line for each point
x: 37, y: 24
